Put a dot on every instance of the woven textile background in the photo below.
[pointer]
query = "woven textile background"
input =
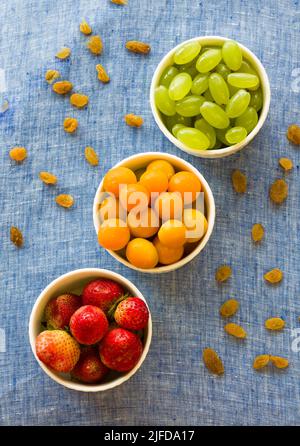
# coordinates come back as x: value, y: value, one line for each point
x: 172, y: 387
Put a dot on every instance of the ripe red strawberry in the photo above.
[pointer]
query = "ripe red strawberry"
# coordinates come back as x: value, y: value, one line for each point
x: 120, y: 350
x: 57, y: 349
x: 88, y: 324
x: 89, y: 368
x: 58, y: 311
x: 102, y: 293
x: 132, y: 313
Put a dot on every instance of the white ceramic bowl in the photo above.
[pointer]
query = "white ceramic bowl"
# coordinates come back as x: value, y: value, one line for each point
x: 74, y: 282
x: 265, y: 85
x: 141, y: 160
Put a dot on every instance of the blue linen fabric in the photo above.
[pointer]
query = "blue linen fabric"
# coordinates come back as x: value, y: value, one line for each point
x: 172, y: 387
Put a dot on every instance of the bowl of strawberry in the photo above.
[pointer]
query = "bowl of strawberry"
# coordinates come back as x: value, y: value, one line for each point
x: 90, y: 330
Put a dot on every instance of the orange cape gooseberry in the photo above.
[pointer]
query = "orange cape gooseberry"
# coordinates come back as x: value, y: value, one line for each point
x: 113, y: 234
x: 195, y: 223
x: 163, y: 165
x: 155, y: 180
x: 187, y: 184
x: 166, y: 255
x: 169, y: 205
x: 134, y: 196
x: 117, y: 177
x: 143, y: 224
x: 172, y: 233
x: 142, y: 253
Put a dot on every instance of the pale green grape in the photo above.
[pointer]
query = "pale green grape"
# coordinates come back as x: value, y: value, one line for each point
x: 208, y: 96
x: 180, y: 86
x: 170, y: 121
x: 200, y: 84
x: 248, y: 119
x: 163, y: 101
x: 223, y: 70
x: 214, y: 115
x: 243, y: 80
x: 191, y: 70
x: 193, y: 138
x: 221, y: 135
x: 167, y: 75
x: 232, y: 55
x: 187, y: 52
x: 176, y: 129
x: 218, y: 88
x: 238, y: 103
x: 246, y: 68
x: 189, y: 106
x: 256, y: 99
x: 235, y: 135
x: 207, y: 129
x: 208, y: 60
x: 232, y: 90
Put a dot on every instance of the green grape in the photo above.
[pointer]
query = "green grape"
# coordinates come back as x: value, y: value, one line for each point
x: 187, y: 52
x: 232, y: 55
x: 191, y: 70
x: 238, y: 103
x: 170, y: 121
x: 207, y: 129
x: 214, y: 115
x: 243, y: 80
x: 167, y: 75
x: 208, y: 60
x: 208, y: 96
x: 193, y: 138
x: 176, y: 129
x: 163, y: 102
x: 200, y: 84
x: 256, y: 99
x: 248, y: 119
x: 221, y: 135
x: 180, y: 86
x: 232, y: 89
x: 235, y: 135
x: 189, y: 106
x: 218, y: 88
x: 223, y: 70
x: 246, y: 68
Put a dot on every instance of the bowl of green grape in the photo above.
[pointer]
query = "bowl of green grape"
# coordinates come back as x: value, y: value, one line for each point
x: 210, y: 96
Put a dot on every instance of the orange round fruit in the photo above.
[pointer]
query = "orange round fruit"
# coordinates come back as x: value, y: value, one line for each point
x: 169, y: 205
x: 163, y: 165
x: 155, y: 181
x: 142, y: 253
x: 143, y: 224
x: 172, y: 234
x: 187, y: 183
x: 134, y: 195
x: 195, y: 222
x: 113, y: 234
x: 166, y: 255
x: 109, y: 208
x: 116, y: 177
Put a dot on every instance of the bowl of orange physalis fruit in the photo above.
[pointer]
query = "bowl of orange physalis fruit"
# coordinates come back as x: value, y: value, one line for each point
x: 153, y: 212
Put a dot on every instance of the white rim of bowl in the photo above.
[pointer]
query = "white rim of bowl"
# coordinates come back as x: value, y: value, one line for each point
x: 213, y: 153
x: 81, y: 387
x: 209, y: 199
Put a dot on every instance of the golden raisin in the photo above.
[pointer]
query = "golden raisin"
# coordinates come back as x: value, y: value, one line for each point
x: 257, y: 232
x: 102, y: 74
x: 18, y: 154
x: 239, y: 181
x: 293, y: 134
x: 212, y: 361
x: 133, y: 120
x: 70, y: 125
x: 91, y: 156
x: 16, y: 236
x: 79, y: 100
x: 261, y: 361
x: 138, y: 47
x: 48, y: 178
x: 62, y: 87
x: 275, y: 323
x: 235, y: 330
x: 223, y: 273
x: 279, y: 362
x: 119, y: 2
x: 286, y: 164
x: 95, y: 45
x: 278, y: 191
x: 229, y: 308
x: 51, y: 75
x: 65, y: 200
x: 64, y: 53
x: 85, y: 28
x: 274, y: 276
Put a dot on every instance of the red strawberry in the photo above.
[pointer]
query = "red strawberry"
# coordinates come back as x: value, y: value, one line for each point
x: 120, y: 350
x: 89, y: 368
x: 88, y: 324
x: 102, y: 293
x: 132, y: 313
x: 57, y: 349
x: 58, y: 311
